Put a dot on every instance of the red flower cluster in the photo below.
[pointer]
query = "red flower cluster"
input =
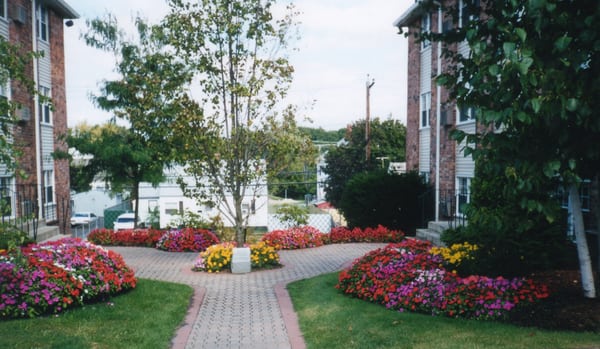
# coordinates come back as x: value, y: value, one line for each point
x: 378, y: 234
x: 187, y: 240
x: 128, y: 237
x: 50, y: 277
x: 405, y: 276
x: 294, y: 238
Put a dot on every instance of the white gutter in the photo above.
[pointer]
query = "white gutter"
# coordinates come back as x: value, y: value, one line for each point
x: 38, y: 155
x: 438, y: 107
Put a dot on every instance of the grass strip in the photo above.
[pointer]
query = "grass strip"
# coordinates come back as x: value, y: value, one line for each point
x: 329, y: 319
x: 146, y: 317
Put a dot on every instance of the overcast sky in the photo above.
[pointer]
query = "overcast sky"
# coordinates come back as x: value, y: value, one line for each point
x: 341, y: 42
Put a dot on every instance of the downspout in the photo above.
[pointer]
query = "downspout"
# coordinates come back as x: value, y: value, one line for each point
x: 38, y: 155
x: 438, y: 113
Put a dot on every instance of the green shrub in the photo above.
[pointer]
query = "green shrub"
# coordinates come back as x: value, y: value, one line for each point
x: 11, y: 236
x: 381, y: 198
x: 512, y: 240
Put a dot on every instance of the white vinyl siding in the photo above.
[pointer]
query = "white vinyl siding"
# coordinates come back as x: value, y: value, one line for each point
x: 465, y: 166
x: 44, y: 65
x: 425, y: 78
x: 47, y: 133
x: 424, y: 150
x: 3, y: 20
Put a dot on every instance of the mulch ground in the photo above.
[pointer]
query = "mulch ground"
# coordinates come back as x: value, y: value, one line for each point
x: 565, y: 309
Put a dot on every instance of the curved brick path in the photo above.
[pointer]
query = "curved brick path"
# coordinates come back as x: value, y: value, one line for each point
x: 241, y: 310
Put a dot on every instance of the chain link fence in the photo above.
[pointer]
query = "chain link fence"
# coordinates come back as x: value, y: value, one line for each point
x: 323, y: 222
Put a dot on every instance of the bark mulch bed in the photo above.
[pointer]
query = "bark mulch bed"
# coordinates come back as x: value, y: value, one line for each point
x: 565, y: 309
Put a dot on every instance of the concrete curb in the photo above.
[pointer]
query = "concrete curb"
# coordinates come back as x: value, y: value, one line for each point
x: 289, y: 316
x: 183, y: 333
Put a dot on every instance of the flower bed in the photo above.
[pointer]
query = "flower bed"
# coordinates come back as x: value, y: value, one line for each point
x: 406, y: 276
x: 294, y: 238
x: 128, y: 237
x: 187, y: 240
x: 378, y: 234
x: 217, y: 258
x: 53, y: 276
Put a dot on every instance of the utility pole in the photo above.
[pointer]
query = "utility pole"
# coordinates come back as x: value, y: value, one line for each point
x: 369, y: 84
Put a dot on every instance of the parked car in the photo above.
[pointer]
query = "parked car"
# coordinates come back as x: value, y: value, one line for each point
x: 125, y: 221
x: 80, y: 218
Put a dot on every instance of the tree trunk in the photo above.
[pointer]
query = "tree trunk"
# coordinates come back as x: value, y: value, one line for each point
x: 135, y: 196
x: 583, y: 252
x: 596, y: 212
x: 240, y: 237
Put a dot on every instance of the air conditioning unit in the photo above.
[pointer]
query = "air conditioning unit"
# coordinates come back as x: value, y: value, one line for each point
x: 20, y: 14
x: 23, y: 115
x: 445, y: 118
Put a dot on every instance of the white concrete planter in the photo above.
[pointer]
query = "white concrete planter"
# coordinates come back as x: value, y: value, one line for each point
x: 240, y: 260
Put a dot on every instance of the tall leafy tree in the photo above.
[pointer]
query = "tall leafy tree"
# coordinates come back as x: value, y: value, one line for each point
x: 148, y: 93
x: 236, y: 50
x: 532, y: 73
x: 388, y: 138
x: 117, y: 156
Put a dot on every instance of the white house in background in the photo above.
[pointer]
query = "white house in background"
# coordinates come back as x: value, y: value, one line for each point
x: 95, y: 201
x: 168, y: 198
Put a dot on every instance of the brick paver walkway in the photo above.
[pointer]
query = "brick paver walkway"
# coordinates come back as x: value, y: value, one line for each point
x: 242, y: 310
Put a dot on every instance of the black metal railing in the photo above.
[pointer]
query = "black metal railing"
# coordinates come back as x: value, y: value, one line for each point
x: 451, y: 207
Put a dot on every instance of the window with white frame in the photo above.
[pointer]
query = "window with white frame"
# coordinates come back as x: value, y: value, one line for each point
x: 42, y: 22
x: 44, y: 107
x: 468, y: 11
x: 425, y: 109
x: 48, y: 187
x: 463, y: 193
x: 425, y: 29
x: 466, y: 114
x: 5, y: 196
x: 3, y: 9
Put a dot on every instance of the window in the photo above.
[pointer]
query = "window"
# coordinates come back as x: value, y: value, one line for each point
x: 5, y: 195
x: 3, y: 9
x: 42, y: 22
x: 425, y: 109
x: 584, y: 195
x: 171, y: 208
x: 466, y: 114
x: 463, y: 193
x: 425, y: 29
x: 425, y: 176
x: 468, y: 11
x: 44, y: 107
x: 48, y: 187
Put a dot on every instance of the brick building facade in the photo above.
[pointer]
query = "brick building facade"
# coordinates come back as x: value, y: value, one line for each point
x: 43, y: 191
x: 431, y: 117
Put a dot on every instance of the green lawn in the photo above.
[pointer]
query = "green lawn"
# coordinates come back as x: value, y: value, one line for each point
x: 146, y: 317
x: 330, y: 320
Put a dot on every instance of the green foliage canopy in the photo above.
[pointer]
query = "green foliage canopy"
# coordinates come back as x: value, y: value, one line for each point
x: 388, y: 139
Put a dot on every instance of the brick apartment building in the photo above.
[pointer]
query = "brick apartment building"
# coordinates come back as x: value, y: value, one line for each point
x: 431, y: 118
x: 43, y: 194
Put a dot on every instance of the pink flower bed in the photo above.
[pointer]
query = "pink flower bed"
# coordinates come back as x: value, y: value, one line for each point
x: 294, y: 238
x: 406, y: 277
x: 128, y: 237
x: 378, y: 234
x: 187, y: 240
x: 53, y: 276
